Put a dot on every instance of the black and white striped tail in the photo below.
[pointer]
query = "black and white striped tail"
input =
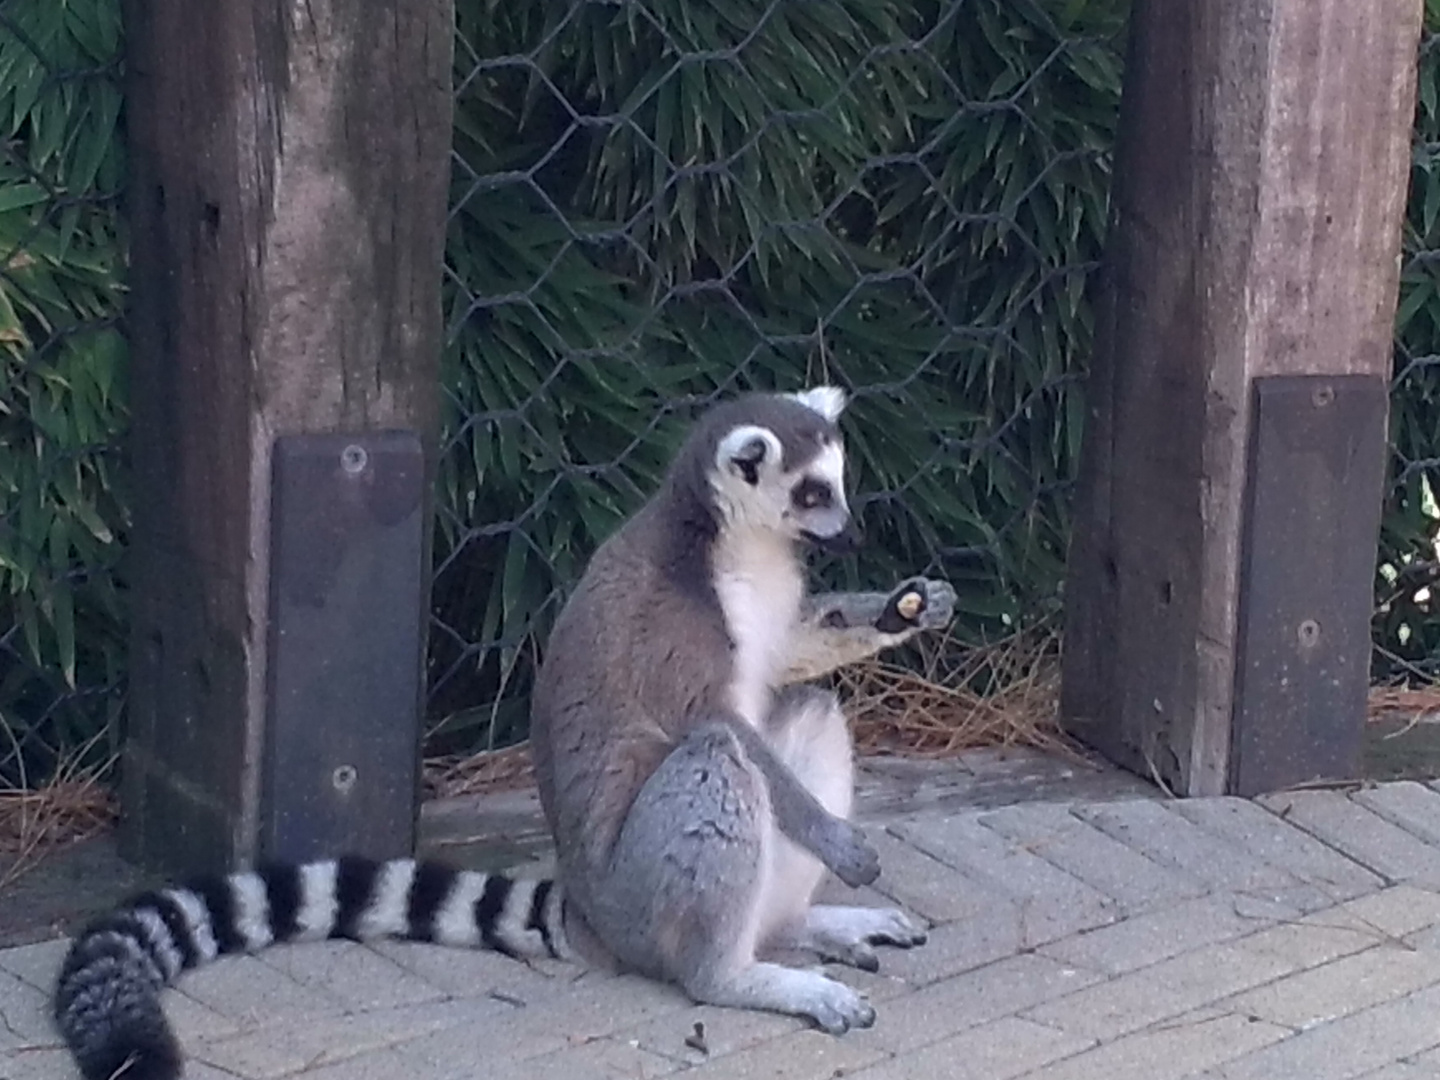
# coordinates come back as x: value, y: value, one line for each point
x: 107, y: 998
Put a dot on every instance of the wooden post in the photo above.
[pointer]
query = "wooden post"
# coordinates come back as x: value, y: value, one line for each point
x: 1221, y: 570
x: 289, y: 172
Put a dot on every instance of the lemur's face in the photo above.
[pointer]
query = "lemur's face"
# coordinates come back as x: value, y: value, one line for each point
x: 802, y: 498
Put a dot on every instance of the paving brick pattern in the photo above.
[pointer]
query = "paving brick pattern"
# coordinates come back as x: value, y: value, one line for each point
x: 1296, y: 936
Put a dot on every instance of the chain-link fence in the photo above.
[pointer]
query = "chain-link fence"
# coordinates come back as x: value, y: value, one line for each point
x: 62, y: 361
x: 1407, y: 609
x: 658, y: 203
x: 1407, y: 617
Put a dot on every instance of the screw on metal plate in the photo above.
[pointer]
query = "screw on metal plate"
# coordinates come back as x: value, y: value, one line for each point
x: 343, y: 778
x: 353, y: 459
x: 1323, y: 395
x: 1309, y: 634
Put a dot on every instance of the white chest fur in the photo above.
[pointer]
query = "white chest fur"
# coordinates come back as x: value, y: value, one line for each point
x: 760, y: 583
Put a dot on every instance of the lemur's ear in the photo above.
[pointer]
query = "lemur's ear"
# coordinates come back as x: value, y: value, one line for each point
x: 746, y: 451
x: 828, y: 401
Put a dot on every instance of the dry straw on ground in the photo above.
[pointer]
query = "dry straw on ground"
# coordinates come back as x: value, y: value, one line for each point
x: 951, y: 699
x: 1414, y: 701
x: 75, y: 804
x: 489, y: 770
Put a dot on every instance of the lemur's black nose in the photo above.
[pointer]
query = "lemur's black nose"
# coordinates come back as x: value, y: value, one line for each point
x: 846, y: 542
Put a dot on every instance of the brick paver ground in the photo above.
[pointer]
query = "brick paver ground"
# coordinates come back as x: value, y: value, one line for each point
x: 1297, y: 936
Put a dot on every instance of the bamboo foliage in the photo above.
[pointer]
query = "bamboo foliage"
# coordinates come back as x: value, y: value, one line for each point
x: 62, y: 379
x: 1407, y: 611
x: 655, y: 202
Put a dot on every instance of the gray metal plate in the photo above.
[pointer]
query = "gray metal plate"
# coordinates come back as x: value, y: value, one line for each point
x: 346, y: 637
x: 1317, y: 460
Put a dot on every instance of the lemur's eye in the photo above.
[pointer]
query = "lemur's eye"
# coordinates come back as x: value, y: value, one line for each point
x: 811, y: 494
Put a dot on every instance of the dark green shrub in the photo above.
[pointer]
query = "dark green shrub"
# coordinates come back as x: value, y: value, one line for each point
x: 659, y: 202
x: 62, y: 380
x: 1407, y: 619
x: 655, y: 202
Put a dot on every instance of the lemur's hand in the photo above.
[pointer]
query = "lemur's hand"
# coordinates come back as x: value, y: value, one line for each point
x: 918, y: 604
x: 851, y: 856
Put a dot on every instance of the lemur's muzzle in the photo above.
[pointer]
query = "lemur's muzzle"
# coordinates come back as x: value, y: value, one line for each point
x: 847, y: 541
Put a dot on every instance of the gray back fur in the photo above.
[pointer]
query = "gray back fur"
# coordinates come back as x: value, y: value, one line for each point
x: 641, y: 654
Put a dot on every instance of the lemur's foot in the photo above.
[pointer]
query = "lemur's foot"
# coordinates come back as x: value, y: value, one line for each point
x: 848, y: 935
x: 918, y: 604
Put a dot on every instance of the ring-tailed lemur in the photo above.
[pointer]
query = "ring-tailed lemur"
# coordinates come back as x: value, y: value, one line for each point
x: 694, y: 793
x: 685, y: 778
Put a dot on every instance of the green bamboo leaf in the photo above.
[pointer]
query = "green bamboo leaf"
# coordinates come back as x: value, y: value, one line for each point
x: 17, y: 196
x: 28, y: 78
x: 1432, y: 203
x: 1412, y: 299
x: 29, y: 617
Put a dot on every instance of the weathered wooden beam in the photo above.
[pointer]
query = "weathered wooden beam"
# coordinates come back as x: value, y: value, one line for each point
x: 1260, y: 183
x: 289, y: 171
